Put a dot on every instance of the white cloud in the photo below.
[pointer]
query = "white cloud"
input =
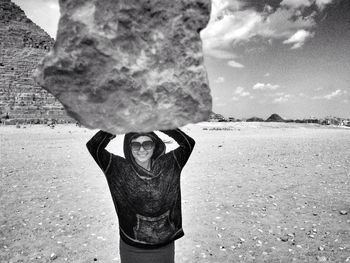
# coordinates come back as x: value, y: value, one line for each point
x: 267, y: 74
x: 53, y: 5
x: 220, y: 7
x: 299, y: 38
x: 231, y: 28
x: 336, y: 93
x: 331, y: 95
x: 220, y: 80
x: 240, y: 91
x: 266, y: 86
x: 296, y: 3
x: 259, y: 86
x: 283, y: 23
x: 282, y: 99
x: 233, y: 23
x: 305, y: 3
x: 322, y: 3
x: 234, y: 64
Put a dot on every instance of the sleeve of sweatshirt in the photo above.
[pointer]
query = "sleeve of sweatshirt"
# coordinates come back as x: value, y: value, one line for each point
x: 96, y: 146
x: 186, y: 144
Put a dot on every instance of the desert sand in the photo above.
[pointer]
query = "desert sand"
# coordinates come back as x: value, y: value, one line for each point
x: 251, y: 192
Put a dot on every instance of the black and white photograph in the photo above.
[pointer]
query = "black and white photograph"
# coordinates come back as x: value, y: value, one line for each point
x: 163, y: 131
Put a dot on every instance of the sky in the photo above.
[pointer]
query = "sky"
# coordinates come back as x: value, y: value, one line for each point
x: 290, y: 57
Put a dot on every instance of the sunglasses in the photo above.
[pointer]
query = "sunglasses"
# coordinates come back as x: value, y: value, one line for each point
x: 147, y: 145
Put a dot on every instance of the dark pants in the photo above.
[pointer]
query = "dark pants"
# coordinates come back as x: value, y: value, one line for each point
x: 130, y: 254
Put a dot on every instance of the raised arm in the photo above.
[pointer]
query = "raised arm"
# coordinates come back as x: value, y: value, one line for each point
x: 186, y: 144
x: 96, y: 146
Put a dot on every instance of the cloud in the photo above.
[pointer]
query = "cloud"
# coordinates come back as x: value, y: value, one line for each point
x: 267, y: 74
x: 53, y: 5
x: 282, y: 99
x: 322, y: 3
x: 296, y: 3
x: 240, y: 91
x: 305, y: 3
x: 235, y: 64
x: 234, y: 22
x: 228, y: 29
x: 299, y: 38
x: 220, y: 80
x: 331, y: 95
x: 262, y: 86
x: 283, y: 23
x: 220, y: 7
x: 336, y: 93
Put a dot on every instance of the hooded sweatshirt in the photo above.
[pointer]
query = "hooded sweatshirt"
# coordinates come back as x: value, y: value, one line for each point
x: 147, y: 203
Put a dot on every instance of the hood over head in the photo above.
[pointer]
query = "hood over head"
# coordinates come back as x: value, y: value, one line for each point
x: 159, y: 147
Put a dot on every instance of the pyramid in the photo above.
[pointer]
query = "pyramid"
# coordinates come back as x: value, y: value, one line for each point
x: 23, y: 44
x: 255, y: 119
x: 275, y: 118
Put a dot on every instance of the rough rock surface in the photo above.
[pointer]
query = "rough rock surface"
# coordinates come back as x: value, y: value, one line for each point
x: 127, y: 65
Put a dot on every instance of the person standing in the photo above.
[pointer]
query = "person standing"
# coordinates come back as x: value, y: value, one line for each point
x: 145, y: 188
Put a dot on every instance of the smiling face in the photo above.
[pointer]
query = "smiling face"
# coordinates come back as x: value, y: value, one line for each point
x: 142, y: 155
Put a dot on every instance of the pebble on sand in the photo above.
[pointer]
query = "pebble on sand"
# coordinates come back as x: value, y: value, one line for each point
x: 53, y: 256
x: 241, y: 240
x: 284, y: 239
x: 321, y: 259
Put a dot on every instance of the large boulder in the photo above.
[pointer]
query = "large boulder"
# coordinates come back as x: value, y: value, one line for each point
x: 130, y: 65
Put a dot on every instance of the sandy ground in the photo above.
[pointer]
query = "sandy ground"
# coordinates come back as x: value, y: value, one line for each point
x: 251, y: 192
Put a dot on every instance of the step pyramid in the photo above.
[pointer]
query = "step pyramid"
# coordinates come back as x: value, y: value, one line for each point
x: 23, y: 44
